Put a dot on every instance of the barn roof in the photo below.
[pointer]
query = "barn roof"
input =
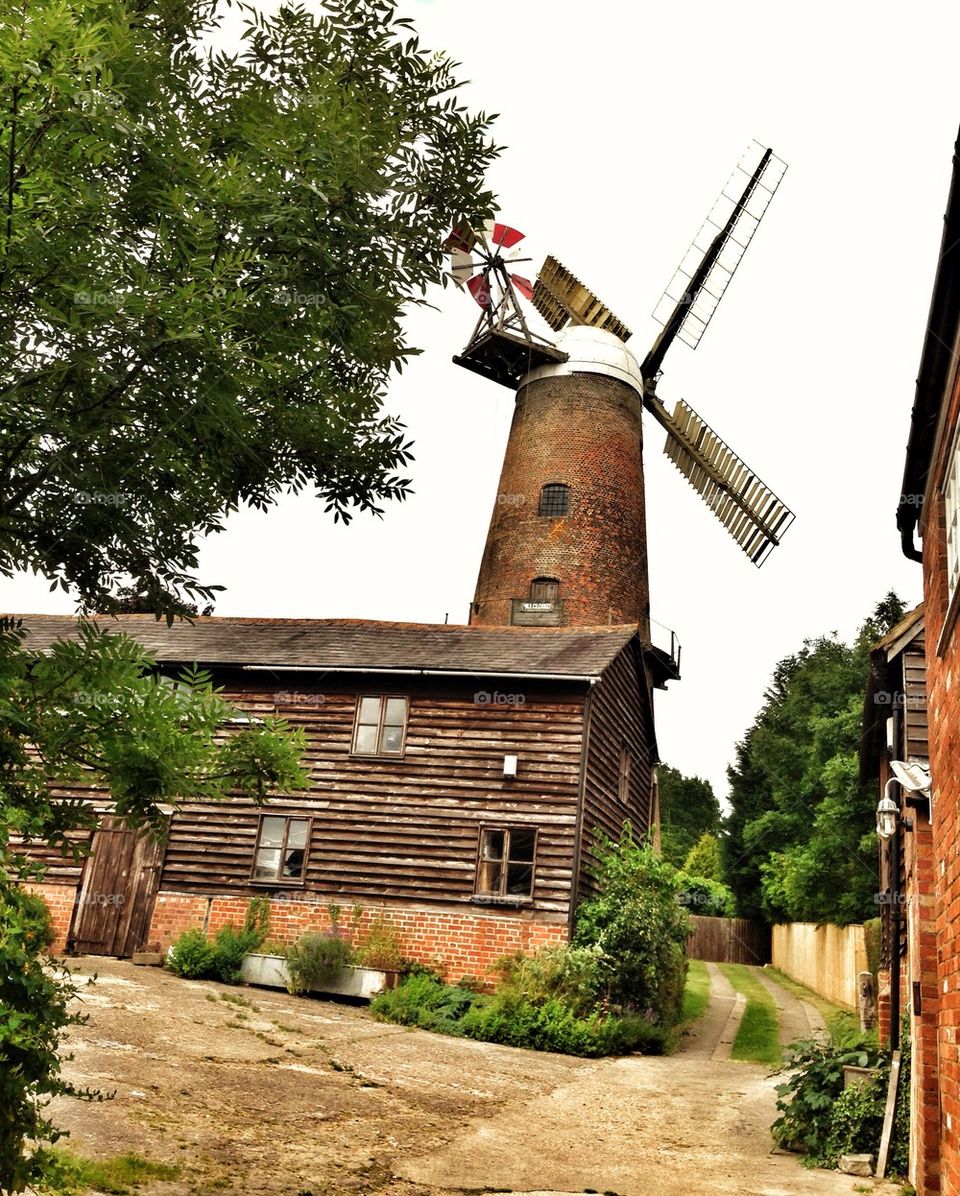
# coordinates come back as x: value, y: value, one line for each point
x: 357, y: 645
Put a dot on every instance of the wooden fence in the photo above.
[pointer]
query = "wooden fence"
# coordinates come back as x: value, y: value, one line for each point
x: 827, y: 958
x: 729, y: 940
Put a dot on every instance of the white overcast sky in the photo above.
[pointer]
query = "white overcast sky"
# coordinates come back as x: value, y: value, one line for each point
x: 621, y: 123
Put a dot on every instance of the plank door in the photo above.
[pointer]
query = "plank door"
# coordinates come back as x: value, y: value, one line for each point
x: 120, y: 881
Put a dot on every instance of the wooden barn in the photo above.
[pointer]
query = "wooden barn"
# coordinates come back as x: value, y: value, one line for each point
x: 458, y: 776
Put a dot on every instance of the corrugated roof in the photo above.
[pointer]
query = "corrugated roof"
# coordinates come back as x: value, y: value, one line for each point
x: 356, y: 644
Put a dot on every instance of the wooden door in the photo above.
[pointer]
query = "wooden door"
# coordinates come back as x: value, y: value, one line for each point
x: 120, y: 881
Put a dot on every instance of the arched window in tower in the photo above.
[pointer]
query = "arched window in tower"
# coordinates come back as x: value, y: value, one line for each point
x: 554, y: 500
x: 544, y: 589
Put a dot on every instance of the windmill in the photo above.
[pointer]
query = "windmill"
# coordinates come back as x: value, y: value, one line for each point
x: 504, y: 349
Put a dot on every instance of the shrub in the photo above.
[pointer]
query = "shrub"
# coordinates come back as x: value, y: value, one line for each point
x: 822, y: 1119
x: 636, y: 922
x: 195, y: 958
x: 34, y: 1013
x: 578, y: 976
x: 380, y: 948
x: 192, y: 955
x: 514, y: 1019
x: 313, y: 958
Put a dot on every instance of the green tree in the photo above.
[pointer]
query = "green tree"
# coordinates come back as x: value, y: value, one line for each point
x: 94, y: 710
x: 637, y: 921
x: 704, y: 858
x: 204, y: 260
x: 688, y: 809
x: 799, y: 842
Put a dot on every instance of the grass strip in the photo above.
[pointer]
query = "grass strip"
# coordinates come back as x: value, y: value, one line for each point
x: 67, y: 1174
x: 696, y: 993
x: 843, y: 1026
x: 758, y: 1038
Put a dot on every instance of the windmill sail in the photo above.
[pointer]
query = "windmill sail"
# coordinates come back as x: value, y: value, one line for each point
x: 562, y: 299
x: 746, y: 507
x: 691, y: 298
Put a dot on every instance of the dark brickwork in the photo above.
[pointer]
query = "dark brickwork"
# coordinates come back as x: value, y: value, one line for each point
x: 582, y: 430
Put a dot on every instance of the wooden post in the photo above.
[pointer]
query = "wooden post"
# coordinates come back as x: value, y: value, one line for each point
x: 867, y: 1001
x: 884, y: 1151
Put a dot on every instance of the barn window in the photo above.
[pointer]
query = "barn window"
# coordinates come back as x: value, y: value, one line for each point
x: 380, y: 727
x: 505, y: 866
x: 554, y: 499
x: 623, y: 778
x: 544, y: 589
x: 281, y: 848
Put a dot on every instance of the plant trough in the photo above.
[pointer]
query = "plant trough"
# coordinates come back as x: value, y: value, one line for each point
x: 270, y: 971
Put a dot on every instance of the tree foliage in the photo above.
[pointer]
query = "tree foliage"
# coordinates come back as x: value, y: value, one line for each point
x: 798, y: 841
x: 95, y: 711
x: 688, y: 809
x: 704, y: 858
x: 204, y: 257
x: 637, y: 921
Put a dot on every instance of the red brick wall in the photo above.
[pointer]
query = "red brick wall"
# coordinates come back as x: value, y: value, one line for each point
x: 465, y: 943
x: 582, y: 430
x: 61, y: 900
x: 943, y: 687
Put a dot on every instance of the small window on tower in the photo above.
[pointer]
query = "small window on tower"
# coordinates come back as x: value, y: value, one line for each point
x: 554, y: 500
x: 544, y: 589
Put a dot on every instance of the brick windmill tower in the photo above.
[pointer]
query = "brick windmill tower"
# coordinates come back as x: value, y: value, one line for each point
x: 567, y: 539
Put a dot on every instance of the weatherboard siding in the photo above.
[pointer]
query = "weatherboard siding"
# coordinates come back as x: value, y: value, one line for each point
x: 403, y: 827
x: 619, y: 715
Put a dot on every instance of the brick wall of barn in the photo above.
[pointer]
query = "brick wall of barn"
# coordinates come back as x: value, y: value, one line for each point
x: 457, y: 944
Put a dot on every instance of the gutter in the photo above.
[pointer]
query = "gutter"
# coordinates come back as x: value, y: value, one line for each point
x: 336, y: 668
x: 936, y: 363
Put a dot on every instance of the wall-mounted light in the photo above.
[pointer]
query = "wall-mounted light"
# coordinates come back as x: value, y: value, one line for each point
x: 887, y: 814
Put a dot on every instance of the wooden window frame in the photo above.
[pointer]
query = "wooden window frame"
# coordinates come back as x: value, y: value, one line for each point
x: 287, y: 882
x: 485, y: 896
x: 382, y: 699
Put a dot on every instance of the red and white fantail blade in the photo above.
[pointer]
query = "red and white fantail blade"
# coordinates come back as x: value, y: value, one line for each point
x: 479, y: 288
x: 462, y: 266
x: 502, y: 235
x: 461, y: 239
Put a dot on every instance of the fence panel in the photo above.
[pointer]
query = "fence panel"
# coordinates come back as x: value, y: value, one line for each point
x: 826, y: 958
x: 729, y: 940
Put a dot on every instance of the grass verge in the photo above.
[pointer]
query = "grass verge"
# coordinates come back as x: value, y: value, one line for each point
x: 758, y: 1038
x: 843, y: 1026
x: 67, y: 1174
x: 696, y: 994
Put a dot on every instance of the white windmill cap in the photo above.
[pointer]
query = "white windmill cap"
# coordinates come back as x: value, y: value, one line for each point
x: 592, y: 351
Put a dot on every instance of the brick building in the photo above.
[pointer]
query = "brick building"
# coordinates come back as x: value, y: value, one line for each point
x: 930, y: 507
x: 895, y: 727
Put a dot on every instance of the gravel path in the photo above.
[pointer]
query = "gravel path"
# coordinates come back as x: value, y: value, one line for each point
x: 312, y: 1098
